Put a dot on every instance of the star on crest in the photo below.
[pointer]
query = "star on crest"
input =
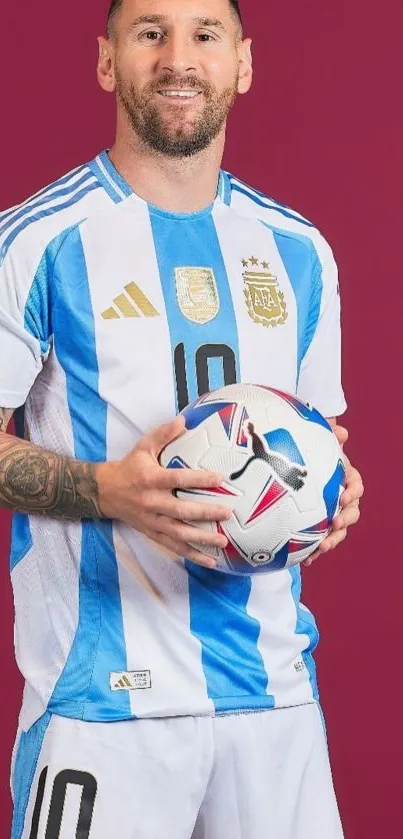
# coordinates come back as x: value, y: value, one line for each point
x: 253, y: 261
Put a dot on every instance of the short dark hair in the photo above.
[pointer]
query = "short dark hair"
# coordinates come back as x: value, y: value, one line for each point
x: 116, y: 5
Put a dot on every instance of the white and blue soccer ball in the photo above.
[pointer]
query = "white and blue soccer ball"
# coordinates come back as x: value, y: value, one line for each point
x: 283, y: 474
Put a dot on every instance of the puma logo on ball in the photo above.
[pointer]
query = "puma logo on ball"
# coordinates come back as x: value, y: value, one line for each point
x: 291, y: 475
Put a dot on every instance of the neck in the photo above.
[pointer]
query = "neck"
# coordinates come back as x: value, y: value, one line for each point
x: 177, y: 185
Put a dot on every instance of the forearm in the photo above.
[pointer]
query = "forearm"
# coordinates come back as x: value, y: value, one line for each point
x: 34, y: 480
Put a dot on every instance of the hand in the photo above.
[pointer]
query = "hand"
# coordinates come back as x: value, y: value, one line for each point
x: 140, y: 492
x: 349, y: 502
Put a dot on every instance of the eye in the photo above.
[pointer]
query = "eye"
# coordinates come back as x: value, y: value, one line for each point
x: 205, y: 37
x: 152, y: 35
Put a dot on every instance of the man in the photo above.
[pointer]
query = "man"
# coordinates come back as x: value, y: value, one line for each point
x: 122, y: 291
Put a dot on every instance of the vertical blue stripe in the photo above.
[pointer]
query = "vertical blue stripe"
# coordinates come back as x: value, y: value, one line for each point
x: 191, y: 241
x: 235, y: 674
x: 26, y: 761
x: 99, y: 645
x: 304, y: 270
x: 306, y: 625
x: 234, y: 670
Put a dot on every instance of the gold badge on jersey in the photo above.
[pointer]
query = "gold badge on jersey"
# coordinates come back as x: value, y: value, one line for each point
x: 197, y: 294
x: 265, y: 302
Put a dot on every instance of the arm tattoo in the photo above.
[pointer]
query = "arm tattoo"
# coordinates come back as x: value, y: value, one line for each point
x: 33, y: 480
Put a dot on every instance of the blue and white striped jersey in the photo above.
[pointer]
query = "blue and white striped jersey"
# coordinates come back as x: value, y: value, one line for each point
x: 114, y: 314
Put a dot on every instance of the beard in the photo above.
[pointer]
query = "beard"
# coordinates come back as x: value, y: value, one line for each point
x: 182, y: 139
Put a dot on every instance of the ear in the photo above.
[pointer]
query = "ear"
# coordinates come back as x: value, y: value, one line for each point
x: 245, y: 66
x: 105, y: 68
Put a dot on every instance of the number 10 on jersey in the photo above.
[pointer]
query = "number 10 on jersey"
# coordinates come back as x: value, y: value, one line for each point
x: 202, y: 372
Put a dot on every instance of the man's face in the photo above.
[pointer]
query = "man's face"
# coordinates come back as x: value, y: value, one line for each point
x: 178, y: 66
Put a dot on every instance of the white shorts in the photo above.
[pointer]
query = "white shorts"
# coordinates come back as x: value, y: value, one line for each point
x: 248, y: 776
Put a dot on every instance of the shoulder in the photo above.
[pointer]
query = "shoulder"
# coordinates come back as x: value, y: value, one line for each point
x: 288, y: 225
x: 105, y: 227
x: 27, y: 228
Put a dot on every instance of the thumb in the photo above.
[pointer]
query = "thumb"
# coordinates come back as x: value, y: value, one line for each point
x: 341, y: 434
x: 156, y: 440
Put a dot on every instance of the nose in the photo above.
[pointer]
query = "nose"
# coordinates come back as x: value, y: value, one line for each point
x: 178, y: 55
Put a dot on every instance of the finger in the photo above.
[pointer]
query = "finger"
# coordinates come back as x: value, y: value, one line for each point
x: 331, y: 542
x: 328, y: 544
x: 190, y: 535
x: 184, y: 551
x: 165, y: 504
x: 175, y: 479
x: 156, y: 440
x: 341, y: 434
x: 322, y: 549
x: 193, y: 511
x: 350, y: 515
x: 354, y: 492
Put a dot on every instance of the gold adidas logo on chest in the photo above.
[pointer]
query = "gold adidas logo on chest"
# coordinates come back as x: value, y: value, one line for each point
x: 131, y: 303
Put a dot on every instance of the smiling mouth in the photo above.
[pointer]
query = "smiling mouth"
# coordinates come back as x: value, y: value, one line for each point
x: 180, y: 94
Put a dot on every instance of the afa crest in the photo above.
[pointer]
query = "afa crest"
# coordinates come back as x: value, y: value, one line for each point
x: 197, y: 293
x: 265, y: 302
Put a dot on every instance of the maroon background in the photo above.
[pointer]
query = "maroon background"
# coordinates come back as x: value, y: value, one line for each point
x: 321, y: 132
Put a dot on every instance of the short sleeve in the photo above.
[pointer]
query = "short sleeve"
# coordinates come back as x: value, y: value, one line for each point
x: 320, y: 372
x: 24, y: 325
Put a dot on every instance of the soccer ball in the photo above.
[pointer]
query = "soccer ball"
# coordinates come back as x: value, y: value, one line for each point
x: 283, y: 474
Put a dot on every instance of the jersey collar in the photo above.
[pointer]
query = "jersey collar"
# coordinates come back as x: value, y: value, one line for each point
x: 118, y: 189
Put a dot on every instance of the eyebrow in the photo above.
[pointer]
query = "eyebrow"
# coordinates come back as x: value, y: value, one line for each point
x: 210, y: 22
x: 161, y: 19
